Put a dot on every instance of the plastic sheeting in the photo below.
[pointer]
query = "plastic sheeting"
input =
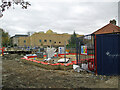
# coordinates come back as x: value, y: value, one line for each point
x: 76, y: 68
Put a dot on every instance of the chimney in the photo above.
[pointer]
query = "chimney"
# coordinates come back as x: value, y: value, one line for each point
x: 113, y: 22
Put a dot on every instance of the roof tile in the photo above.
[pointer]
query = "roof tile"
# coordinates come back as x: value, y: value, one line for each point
x: 109, y: 28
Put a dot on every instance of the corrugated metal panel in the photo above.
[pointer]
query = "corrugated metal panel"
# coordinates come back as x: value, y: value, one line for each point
x: 108, y: 54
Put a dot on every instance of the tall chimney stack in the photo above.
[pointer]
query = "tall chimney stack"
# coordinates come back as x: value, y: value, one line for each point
x: 113, y: 22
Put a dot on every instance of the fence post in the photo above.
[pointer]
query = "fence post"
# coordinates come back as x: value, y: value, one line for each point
x: 95, y: 54
x: 77, y: 50
x: 79, y: 53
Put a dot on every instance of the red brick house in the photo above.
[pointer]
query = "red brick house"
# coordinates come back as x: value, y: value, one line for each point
x: 109, y: 28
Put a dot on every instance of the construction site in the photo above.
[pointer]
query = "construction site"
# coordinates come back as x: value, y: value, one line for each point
x: 87, y: 65
x: 34, y: 56
x: 17, y: 73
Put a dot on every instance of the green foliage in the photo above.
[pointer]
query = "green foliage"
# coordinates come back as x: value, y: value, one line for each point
x: 5, y: 38
x: 72, y: 41
x: 10, y: 43
x: 81, y: 40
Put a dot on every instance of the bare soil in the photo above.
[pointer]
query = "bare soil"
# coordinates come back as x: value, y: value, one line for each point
x: 17, y: 74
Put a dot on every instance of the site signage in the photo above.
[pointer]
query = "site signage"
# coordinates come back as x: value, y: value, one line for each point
x: 84, y: 50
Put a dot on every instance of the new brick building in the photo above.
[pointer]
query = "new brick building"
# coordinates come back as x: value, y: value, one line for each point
x: 41, y: 39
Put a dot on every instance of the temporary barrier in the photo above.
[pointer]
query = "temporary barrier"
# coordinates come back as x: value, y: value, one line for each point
x: 31, y: 56
x: 85, y: 51
x: 91, y: 64
x: 3, y: 49
x: 36, y: 61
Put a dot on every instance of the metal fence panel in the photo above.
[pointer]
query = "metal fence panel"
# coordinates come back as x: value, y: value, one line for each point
x: 87, y: 43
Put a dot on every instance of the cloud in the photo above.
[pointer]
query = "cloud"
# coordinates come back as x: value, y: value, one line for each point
x: 62, y: 16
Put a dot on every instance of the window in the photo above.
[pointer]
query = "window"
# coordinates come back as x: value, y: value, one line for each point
x: 50, y: 40
x: 24, y: 41
x: 54, y: 42
x: 59, y: 42
x: 45, y: 40
x: 40, y: 40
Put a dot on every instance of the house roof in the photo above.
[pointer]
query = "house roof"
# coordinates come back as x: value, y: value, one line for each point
x: 109, y: 28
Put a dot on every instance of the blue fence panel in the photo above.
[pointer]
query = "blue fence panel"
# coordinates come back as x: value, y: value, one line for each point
x: 108, y: 54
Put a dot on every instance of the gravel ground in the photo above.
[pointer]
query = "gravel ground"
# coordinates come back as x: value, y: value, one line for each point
x: 17, y: 74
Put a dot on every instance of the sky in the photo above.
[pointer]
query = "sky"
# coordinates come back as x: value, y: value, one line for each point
x: 61, y: 16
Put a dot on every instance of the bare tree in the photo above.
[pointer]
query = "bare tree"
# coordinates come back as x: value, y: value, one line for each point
x: 6, y: 4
